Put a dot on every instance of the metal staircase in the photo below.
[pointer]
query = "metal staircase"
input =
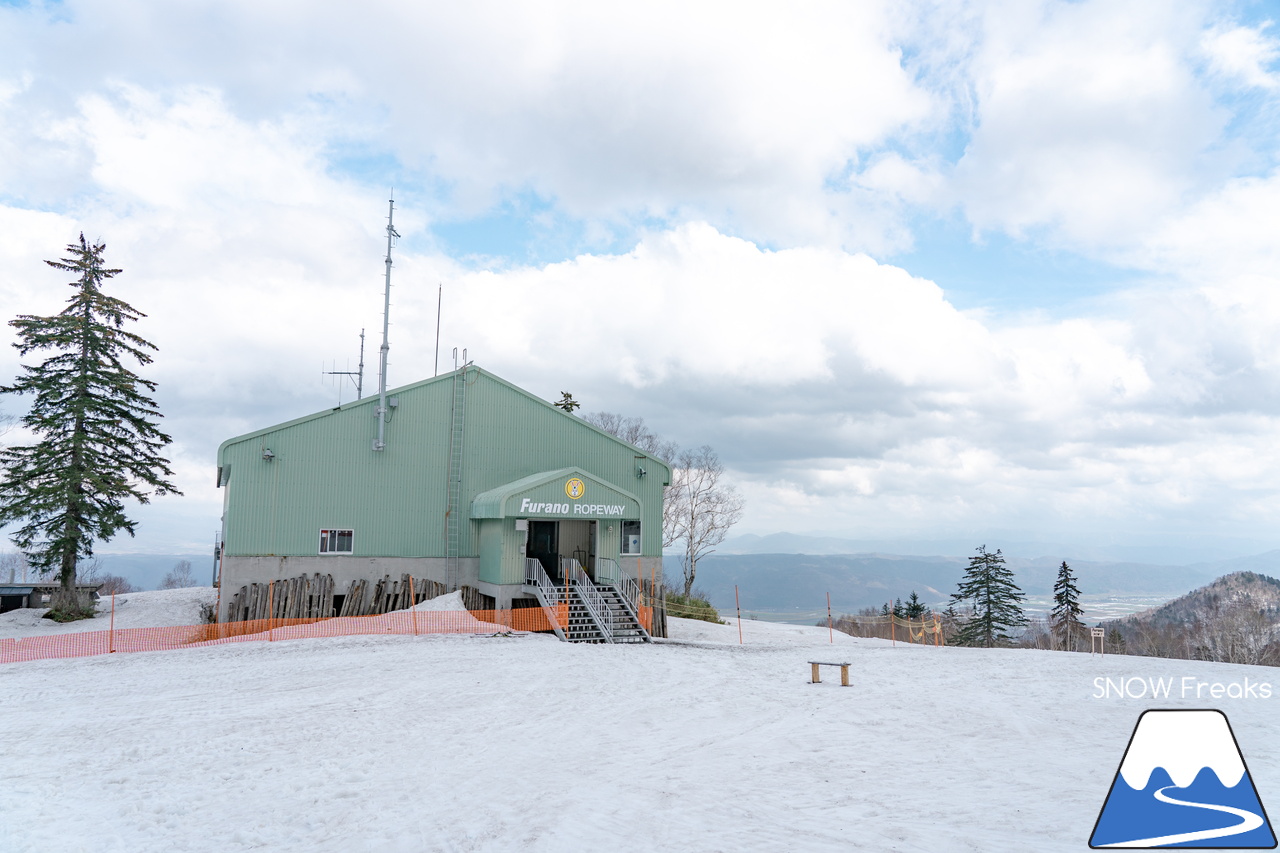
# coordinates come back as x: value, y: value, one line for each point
x: 596, y: 613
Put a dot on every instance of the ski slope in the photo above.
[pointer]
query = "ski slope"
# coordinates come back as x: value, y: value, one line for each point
x: 462, y: 743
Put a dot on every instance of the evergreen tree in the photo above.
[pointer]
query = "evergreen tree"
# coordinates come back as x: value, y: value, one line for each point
x: 914, y: 608
x: 1064, y: 620
x: 897, y: 608
x: 996, y: 599
x: 97, y: 438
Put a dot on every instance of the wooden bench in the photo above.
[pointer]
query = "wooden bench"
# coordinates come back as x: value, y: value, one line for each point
x: 844, y: 671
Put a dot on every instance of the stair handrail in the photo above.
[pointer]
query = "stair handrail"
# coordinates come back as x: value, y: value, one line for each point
x: 607, y: 570
x: 591, y: 597
x: 536, y: 576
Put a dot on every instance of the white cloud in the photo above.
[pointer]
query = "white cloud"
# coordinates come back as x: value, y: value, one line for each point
x: 1091, y: 120
x: 1243, y: 54
x: 846, y: 393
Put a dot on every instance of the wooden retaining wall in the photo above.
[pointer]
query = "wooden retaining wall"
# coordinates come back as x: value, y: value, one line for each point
x: 314, y: 597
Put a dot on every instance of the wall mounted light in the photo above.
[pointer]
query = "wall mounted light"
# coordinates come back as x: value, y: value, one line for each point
x: 267, y: 455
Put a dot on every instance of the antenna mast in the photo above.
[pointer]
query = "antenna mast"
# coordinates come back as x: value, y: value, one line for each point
x: 439, y: 302
x: 357, y: 374
x: 360, y: 375
x: 380, y: 442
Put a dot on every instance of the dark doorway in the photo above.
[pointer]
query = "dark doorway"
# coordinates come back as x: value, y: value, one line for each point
x: 544, y: 546
x: 11, y: 602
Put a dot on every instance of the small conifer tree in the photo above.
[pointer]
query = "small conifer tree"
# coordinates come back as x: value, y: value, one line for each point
x: 98, y: 443
x: 1064, y: 620
x: 915, y: 608
x: 996, y: 600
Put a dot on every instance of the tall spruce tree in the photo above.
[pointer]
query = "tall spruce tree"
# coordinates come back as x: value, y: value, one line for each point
x: 1064, y: 620
x: 997, y: 601
x: 98, y: 442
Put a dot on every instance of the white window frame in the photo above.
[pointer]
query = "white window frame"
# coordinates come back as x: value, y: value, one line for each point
x: 333, y: 535
x: 622, y: 544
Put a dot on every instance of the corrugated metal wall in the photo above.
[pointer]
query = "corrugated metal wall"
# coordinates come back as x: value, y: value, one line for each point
x: 324, y: 474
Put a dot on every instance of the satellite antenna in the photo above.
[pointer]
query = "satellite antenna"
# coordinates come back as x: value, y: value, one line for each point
x: 357, y: 376
x: 380, y: 442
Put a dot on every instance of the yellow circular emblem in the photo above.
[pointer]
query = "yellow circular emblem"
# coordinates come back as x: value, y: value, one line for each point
x: 574, y: 488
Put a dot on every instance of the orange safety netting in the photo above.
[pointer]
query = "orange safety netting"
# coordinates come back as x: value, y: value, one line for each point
x: 411, y: 622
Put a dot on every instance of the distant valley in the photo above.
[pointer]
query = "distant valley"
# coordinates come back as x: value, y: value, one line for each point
x: 800, y: 582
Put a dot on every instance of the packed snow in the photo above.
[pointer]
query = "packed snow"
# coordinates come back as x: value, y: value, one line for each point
x: 158, y: 608
x: 476, y: 743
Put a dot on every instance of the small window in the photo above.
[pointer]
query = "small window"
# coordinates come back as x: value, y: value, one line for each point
x: 630, y: 537
x: 336, y: 541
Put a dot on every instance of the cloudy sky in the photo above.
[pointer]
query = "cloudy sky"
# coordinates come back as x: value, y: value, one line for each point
x: 914, y: 270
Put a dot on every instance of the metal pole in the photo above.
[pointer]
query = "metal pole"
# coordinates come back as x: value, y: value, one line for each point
x: 739, y: 608
x: 380, y: 442
x: 111, y: 646
x: 360, y: 374
x: 439, y: 303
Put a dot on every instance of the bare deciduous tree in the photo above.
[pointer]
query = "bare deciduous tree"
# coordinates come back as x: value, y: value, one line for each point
x: 698, y: 509
x: 13, y: 567
x: 633, y: 431
x: 114, y: 585
x: 180, y: 576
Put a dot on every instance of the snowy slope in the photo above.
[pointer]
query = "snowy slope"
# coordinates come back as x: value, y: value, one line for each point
x: 492, y: 744
x: 133, y: 610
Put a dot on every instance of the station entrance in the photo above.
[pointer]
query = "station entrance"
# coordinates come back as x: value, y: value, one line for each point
x: 550, y: 541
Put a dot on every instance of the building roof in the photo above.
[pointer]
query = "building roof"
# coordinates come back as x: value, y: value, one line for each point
x: 444, y: 377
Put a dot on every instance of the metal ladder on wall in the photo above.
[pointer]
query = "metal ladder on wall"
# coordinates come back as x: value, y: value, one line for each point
x: 453, y: 513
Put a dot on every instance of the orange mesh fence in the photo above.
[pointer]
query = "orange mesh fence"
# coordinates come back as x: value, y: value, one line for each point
x: 411, y: 622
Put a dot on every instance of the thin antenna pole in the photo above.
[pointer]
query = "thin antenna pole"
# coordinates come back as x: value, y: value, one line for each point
x: 380, y: 442
x: 360, y: 374
x: 439, y: 303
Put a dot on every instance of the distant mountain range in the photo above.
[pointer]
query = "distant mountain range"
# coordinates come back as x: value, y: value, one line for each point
x: 1252, y: 590
x: 1170, y: 551
x: 800, y: 582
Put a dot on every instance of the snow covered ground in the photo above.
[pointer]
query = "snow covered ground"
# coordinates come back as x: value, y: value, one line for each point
x: 133, y: 610
x: 473, y: 743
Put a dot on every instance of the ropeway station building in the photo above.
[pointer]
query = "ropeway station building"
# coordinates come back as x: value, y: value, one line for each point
x: 479, y: 485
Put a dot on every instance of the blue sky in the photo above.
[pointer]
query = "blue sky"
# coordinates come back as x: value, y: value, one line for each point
x: 915, y: 270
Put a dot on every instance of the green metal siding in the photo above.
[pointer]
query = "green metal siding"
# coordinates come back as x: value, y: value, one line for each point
x: 325, y: 475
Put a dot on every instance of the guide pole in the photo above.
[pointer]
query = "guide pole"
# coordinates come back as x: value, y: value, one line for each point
x: 830, y: 633
x: 111, y: 644
x: 739, y: 609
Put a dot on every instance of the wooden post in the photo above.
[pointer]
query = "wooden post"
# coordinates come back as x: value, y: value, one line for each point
x: 111, y: 632
x: 844, y: 675
x: 814, y: 667
x: 1098, y: 640
x: 271, y: 616
x: 893, y: 629
x: 739, y: 608
x: 830, y: 633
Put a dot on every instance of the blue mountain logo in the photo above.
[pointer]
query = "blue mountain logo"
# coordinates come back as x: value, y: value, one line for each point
x: 1183, y: 783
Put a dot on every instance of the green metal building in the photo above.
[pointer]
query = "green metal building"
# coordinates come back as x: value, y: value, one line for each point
x: 477, y: 478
